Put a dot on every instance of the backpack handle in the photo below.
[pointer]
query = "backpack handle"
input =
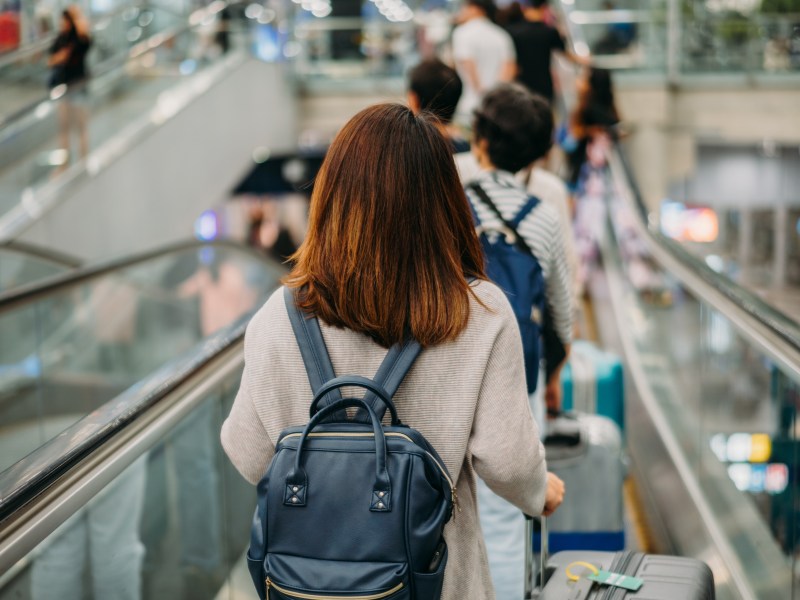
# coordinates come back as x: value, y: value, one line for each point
x: 356, y: 381
x: 296, y: 493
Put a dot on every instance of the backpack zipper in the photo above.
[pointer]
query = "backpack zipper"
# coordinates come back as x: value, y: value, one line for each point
x: 302, y: 596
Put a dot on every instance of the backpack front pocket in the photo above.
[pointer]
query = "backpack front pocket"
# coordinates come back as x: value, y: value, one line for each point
x: 278, y: 592
x: 297, y: 578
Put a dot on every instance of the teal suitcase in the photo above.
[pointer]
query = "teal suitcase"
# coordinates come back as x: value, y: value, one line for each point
x: 593, y: 383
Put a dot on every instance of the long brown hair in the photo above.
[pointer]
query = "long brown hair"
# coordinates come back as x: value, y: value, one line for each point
x: 390, y: 240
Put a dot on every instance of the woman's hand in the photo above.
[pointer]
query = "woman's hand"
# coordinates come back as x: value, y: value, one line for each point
x: 552, y: 396
x: 554, y: 495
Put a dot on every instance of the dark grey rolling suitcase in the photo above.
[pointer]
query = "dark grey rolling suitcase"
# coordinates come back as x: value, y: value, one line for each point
x: 665, y: 577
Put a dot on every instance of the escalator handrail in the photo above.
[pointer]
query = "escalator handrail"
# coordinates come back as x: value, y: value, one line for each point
x: 45, y: 254
x: 43, y: 43
x: 43, y: 503
x: 119, y: 62
x: 31, y: 476
x: 768, y: 316
x: 695, y: 274
x: 63, y: 281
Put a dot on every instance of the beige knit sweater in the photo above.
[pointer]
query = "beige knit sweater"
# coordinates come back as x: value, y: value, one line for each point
x: 467, y: 397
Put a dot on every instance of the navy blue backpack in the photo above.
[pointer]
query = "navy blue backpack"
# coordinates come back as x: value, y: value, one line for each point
x: 513, y: 267
x: 349, y: 507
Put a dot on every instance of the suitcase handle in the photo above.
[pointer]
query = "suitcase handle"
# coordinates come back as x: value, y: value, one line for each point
x: 564, y: 431
x: 529, y: 556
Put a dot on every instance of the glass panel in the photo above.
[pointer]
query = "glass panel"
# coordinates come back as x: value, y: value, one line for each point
x: 736, y: 207
x: 620, y: 35
x: 24, y: 74
x: 42, y: 144
x: 172, y: 525
x: 70, y: 352
x: 19, y: 268
x: 731, y: 408
x: 739, y: 37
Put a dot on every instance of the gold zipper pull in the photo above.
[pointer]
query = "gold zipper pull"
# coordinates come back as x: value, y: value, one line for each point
x: 269, y: 585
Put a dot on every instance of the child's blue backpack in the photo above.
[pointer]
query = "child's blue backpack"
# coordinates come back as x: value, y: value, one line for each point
x: 513, y: 267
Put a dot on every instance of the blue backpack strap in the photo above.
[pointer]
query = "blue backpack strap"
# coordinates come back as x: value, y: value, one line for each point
x: 532, y: 203
x: 312, y: 348
x: 393, y: 369
x: 520, y: 243
x: 390, y: 374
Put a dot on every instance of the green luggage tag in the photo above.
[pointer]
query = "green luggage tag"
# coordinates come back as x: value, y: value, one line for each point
x: 606, y: 577
x: 617, y: 580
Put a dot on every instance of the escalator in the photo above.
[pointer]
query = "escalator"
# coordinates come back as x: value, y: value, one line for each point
x: 713, y: 375
x: 171, y: 124
x: 75, y: 342
x: 99, y: 353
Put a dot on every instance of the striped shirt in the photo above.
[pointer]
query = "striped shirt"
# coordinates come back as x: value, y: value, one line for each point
x: 541, y: 231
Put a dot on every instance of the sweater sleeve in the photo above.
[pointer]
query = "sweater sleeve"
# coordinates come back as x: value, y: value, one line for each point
x: 243, y: 436
x: 504, y: 443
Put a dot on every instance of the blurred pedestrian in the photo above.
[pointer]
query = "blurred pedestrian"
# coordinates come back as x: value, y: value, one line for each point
x: 68, y: 68
x: 595, y: 118
x: 483, y: 53
x: 437, y: 88
x: 535, y: 40
x: 513, y: 128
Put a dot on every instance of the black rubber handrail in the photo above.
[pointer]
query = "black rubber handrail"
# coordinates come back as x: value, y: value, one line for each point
x: 63, y: 281
x: 29, y: 477
x: 45, y: 254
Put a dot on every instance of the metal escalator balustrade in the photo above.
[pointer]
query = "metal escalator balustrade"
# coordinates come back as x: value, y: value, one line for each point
x: 716, y: 375
x: 713, y: 374
x: 134, y: 92
x: 139, y: 500
x: 115, y: 33
x: 71, y: 344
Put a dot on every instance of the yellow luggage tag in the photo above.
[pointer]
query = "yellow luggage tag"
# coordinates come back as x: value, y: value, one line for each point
x: 606, y: 577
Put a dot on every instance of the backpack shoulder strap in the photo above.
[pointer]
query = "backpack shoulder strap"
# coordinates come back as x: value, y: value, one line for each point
x: 312, y: 347
x: 527, y: 208
x: 520, y: 243
x: 390, y: 374
x: 393, y: 369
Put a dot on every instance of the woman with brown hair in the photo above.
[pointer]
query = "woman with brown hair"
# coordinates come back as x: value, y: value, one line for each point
x: 391, y: 250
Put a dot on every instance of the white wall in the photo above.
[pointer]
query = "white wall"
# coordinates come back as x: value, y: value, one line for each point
x: 152, y: 194
x: 666, y: 124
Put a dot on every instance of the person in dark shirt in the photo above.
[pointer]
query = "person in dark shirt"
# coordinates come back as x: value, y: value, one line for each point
x: 595, y: 116
x: 435, y: 87
x: 68, y: 63
x: 535, y: 41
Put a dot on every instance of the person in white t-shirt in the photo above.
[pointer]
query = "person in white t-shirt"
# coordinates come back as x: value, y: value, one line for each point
x: 483, y: 53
